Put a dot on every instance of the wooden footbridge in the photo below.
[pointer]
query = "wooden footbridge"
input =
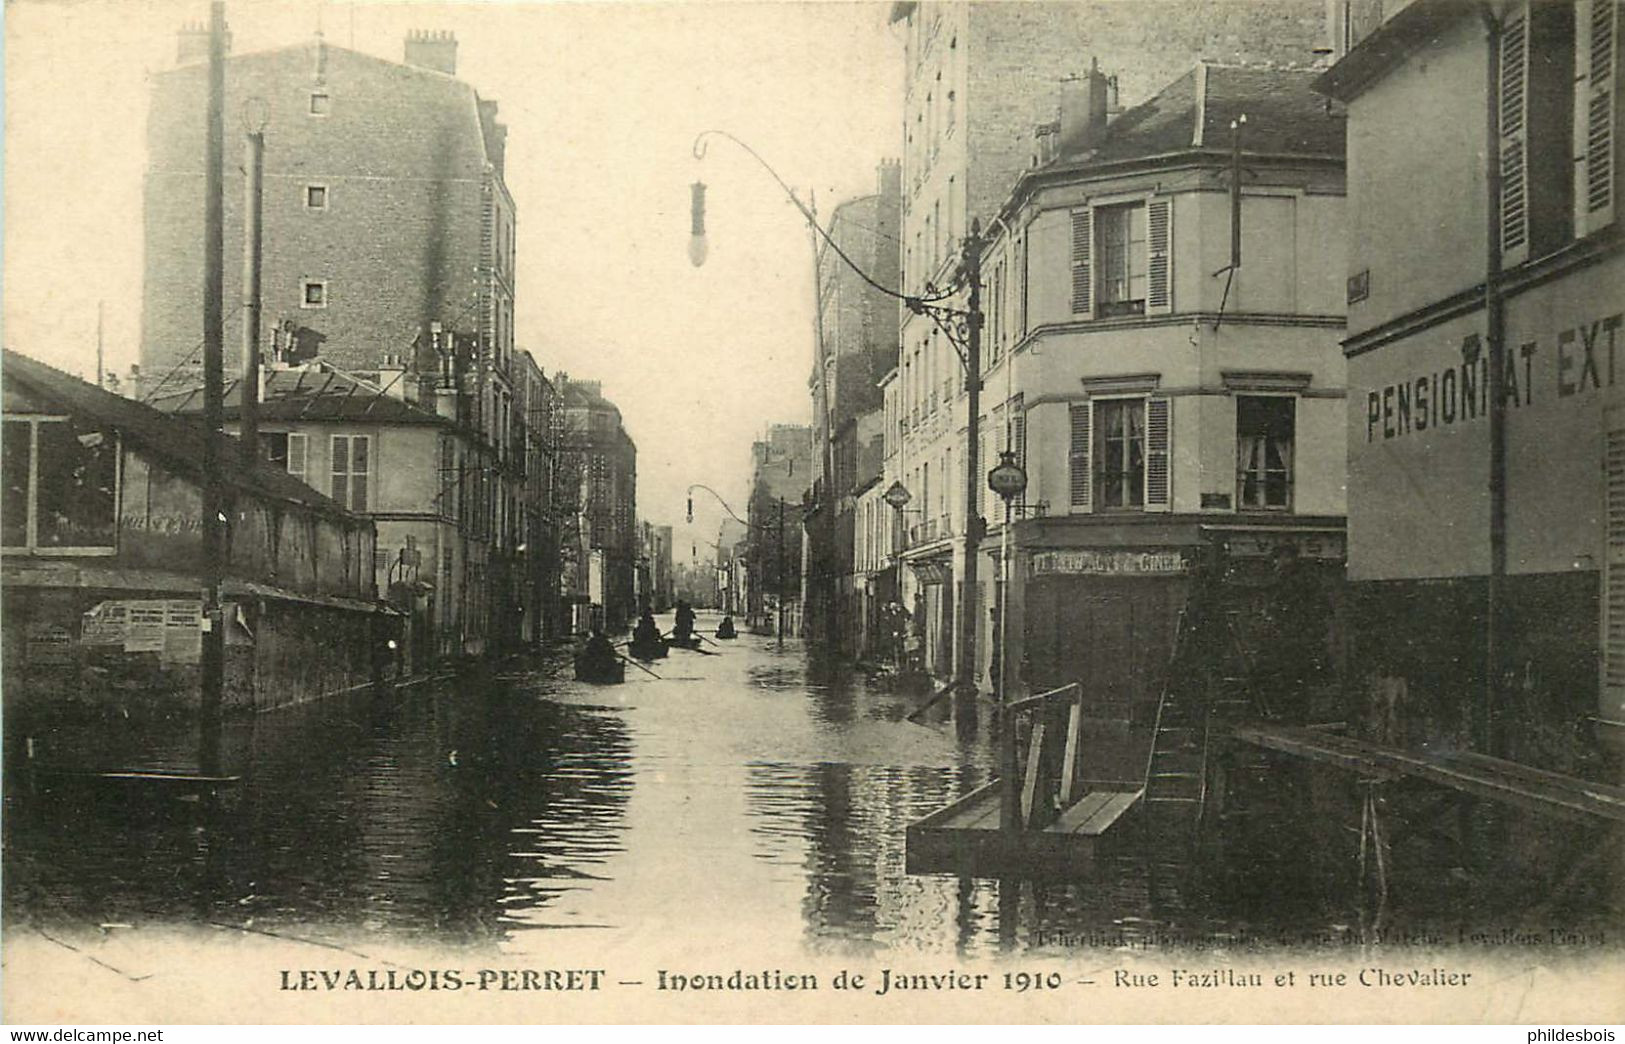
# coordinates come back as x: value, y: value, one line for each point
x: 1140, y: 774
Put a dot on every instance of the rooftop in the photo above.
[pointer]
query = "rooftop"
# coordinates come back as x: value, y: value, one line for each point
x: 176, y: 443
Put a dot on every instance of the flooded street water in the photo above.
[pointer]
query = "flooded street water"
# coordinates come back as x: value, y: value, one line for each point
x: 745, y: 794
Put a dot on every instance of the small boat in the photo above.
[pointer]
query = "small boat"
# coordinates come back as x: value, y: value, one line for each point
x: 725, y: 629
x: 655, y: 650
x: 690, y: 641
x: 608, y: 673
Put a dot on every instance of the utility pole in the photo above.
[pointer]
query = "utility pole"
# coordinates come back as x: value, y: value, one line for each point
x: 973, y: 466
x: 212, y: 660
x: 254, y: 173
x: 101, y: 366
x: 780, y: 628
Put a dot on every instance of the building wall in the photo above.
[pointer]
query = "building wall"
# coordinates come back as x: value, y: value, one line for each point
x: 1421, y: 239
x: 403, y: 238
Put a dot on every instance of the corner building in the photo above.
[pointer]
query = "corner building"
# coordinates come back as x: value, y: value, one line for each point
x: 979, y: 80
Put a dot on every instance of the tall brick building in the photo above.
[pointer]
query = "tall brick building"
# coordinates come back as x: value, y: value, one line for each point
x: 597, y: 449
x: 857, y: 332
x: 981, y: 81
x: 384, y: 206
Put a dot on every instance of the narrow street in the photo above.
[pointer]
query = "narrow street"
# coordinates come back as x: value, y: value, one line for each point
x: 748, y: 789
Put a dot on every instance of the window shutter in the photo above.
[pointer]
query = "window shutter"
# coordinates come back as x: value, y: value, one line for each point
x: 1156, y: 454
x: 1083, y: 230
x: 1021, y: 251
x: 1018, y: 442
x: 339, y: 466
x: 1514, y: 137
x: 1078, y: 457
x: 296, y: 454
x: 1614, y: 570
x: 1596, y: 51
x: 1159, y: 295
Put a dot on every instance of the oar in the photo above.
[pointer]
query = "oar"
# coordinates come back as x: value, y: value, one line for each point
x: 708, y: 639
x: 932, y: 702
x: 640, y: 667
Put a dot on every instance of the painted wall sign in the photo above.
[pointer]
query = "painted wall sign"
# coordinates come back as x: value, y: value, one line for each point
x: 1088, y: 562
x: 1582, y: 359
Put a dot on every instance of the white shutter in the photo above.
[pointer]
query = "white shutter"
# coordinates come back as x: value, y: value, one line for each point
x: 1018, y: 442
x: 1083, y: 230
x: 296, y: 454
x: 1078, y: 460
x: 1596, y: 54
x: 1156, y: 454
x: 1159, y: 294
x: 1514, y: 97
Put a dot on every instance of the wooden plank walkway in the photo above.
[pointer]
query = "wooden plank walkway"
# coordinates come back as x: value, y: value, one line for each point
x: 1509, y: 782
x: 965, y: 838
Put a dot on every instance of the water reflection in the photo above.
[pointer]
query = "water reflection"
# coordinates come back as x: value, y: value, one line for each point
x: 754, y: 791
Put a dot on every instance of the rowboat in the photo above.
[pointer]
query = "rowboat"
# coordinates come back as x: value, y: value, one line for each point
x: 655, y: 650
x: 600, y: 673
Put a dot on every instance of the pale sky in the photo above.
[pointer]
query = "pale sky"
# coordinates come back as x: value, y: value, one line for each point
x: 603, y: 101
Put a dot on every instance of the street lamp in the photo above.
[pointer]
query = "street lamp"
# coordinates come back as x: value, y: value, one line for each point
x: 1009, y: 480
x: 963, y: 329
x: 697, y: 249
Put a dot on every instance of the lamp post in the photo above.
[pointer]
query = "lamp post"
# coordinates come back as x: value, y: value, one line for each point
x: 962, y: 327
x: 1009, y: 481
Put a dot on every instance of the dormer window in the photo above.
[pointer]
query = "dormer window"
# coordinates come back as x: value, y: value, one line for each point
x: 321, y: 103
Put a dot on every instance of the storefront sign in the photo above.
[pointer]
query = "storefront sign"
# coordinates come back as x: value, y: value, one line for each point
x: 1326, y: 547
x: 1085, y: 562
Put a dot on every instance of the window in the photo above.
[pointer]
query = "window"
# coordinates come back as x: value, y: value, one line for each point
x: 351, y: 462
x: 61, y: 486
x: 285, y: 450
x: 314, y: 294
x: 321, y: 103
x: 1121, y: 281
x: 1264, y: 431
x: 1122, y: 259
x: 316, y: 197
x: 1118, y: 454
x: 1556, y: 115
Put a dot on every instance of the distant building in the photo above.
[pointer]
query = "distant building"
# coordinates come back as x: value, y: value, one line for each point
x: 467, y: 552
x: 781, y: 476
x: 604, y: 456
x: 384, y: 207
x: 857, y: 328
x: 388, y: 272
x: 101, y: 558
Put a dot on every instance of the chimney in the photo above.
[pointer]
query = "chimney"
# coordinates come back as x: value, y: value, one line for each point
x: 1084, y: 104
x: 432, y: 49
x: 392, y: 376
x: 889, y: 179
x: 192, y: 43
